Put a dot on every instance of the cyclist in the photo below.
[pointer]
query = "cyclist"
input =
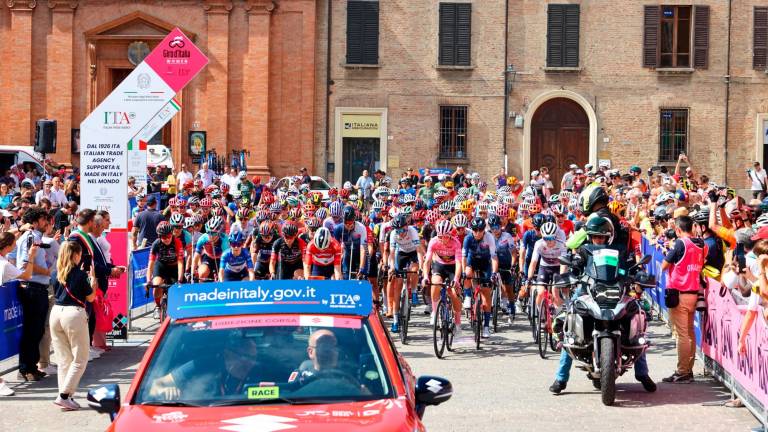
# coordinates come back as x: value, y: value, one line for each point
x: 443, y: 260
x: 481, y: 262
x: 209, y: 249
x: 177, y: 225
x: 353, y: 237
x: 529, y: 239
x: 244, y: 224
x: 545, y: 259
x: 236, y: 265
x: 166, y: 261
x: 506, y: 250
x: 405, y: 255
x: 323, y: 256
x: 288, y: 251
x: 261, y: 249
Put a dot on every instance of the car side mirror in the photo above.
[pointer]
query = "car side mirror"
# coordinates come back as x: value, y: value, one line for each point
x: 105, y: 400
x: 431, y: 390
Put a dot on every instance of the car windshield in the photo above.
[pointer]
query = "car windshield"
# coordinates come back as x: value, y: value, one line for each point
x: 265, y: 359
x: 318, y: 185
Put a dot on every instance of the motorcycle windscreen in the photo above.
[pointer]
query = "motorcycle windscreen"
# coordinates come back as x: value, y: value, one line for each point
x: 603, y: 265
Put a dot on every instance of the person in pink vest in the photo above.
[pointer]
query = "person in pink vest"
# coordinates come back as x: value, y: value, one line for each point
x: 684, y: 263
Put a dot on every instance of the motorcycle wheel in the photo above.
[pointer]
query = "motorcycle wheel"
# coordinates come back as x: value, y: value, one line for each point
x: 607, y: 371
x: 440, y: 330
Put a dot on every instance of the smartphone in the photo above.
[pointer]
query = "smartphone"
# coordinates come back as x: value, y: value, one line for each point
x: 741, y: 262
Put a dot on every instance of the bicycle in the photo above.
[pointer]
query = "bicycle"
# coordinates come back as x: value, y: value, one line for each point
x: 496, y: 305
x: 476, y: 310
x: 163, y: 308
x: 445, y: 324
x: 404, y: 314
x: 546, y: 313
x: 515, y: 289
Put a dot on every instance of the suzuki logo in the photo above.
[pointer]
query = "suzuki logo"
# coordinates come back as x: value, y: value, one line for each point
x: 176, y: 42
x: 434, y: 386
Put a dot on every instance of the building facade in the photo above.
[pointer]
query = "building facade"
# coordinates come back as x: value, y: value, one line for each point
x: 62, y: 57
x: 345, y: 85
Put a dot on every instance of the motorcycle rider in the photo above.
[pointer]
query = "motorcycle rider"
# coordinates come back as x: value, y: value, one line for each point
x: 602, y: 228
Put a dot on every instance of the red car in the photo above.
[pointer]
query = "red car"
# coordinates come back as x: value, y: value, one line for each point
x: 270, y: 356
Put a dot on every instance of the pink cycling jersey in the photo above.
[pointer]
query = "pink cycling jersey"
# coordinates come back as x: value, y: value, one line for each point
x: 444, y: 253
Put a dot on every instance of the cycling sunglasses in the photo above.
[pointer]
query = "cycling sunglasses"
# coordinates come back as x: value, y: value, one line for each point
x: 236, y: 244
x: 166, y: 237
x: 548, y: 238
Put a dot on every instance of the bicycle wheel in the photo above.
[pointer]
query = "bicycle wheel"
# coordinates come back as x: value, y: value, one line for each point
x: 404, y: 303
x: 450, y: 326
x: 496, y: 307
x: 542, y: 327
x: 439, y: 331
x: 534, y: 323
x: 163, y: 308
x: 479, y: 321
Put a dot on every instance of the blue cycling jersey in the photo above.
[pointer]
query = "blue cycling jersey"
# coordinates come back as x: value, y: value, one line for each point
x: 479, y: 251
x: 206, y: 247
x: 235, y: 264
x: 528, y: 242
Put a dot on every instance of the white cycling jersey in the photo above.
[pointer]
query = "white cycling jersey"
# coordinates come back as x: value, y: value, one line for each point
x: 405, y: 243
x: 549, y: 256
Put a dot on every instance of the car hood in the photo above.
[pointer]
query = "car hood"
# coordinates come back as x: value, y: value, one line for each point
x: 371, y: 416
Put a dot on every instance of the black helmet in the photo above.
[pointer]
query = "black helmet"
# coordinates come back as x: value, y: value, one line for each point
x: 400, y: 221
x: 600, y: 226
x: 550, y: 218
x: 538, y: 220
x: 349, y: 213
x: 701, y: 216
x: 477, y: 224
x: 494, y: 220
x: 163, y: 229
x: 592, y: 195
x: 290, y: 229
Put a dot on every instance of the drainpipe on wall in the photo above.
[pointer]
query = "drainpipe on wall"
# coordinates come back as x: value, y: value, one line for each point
x: 506, y: 83
x: 329, y: 21
x: 727, y: 93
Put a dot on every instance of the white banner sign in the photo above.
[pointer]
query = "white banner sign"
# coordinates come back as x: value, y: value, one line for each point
x: 137, y: 146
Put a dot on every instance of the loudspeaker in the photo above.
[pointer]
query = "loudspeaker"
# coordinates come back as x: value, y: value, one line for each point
x: 45, y: 136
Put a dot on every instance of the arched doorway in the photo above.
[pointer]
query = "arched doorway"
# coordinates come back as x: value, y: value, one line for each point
x: 559, y: 137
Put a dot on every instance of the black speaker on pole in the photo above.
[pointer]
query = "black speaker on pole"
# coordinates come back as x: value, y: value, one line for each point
x: 45, y: 136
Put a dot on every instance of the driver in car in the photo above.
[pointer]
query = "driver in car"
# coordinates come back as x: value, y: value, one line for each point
x: 323, y: 354
x: 223, y: 374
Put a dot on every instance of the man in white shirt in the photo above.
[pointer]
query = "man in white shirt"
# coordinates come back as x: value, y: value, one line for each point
x: 231, y: 178
x: 758, y: 177
x: 205, y: 175
x: 183, y: 176
x: 58, y: 198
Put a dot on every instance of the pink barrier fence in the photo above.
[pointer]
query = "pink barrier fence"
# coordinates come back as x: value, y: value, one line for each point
x: 720, y: 338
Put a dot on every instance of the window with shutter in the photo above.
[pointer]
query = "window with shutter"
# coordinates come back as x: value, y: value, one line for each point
x: 760, y: 39
x: 455, y: 39
x: 563, y: 35
x: 362, y: 32
x: 651, y: 37
x: 675, y: 37
x: 701, y: 37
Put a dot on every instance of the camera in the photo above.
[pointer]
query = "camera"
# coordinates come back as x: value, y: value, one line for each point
x: 31, y: 241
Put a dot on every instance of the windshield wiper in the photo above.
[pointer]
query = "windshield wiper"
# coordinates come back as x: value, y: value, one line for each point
x: 170, y: 404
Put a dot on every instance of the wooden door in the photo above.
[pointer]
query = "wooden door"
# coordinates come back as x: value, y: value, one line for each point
x: 559, y: 137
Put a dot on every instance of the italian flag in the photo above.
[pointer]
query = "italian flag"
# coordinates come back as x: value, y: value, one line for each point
x: 137, y: 144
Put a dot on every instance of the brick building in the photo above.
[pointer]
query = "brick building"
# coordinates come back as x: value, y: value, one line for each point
x: 584, y: 84
x: 62, y: 57
x: 342, y: 85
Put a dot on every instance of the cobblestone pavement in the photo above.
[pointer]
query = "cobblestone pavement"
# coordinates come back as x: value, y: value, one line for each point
x: 503, y: 387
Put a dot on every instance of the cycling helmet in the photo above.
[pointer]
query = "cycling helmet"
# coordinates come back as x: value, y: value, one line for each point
x: 502, y: 210
x: 218, y: 211
x: 322, y: 238
x: 214, y: 224
x: 463, y: 192
x: 443, y: 227
x: 549, y: 230
x: 344, y: 193
x: 321, y: 213
x: 198, y: 219
x: 394, y: 211
x: 292, y: 201
x: 304, y: 188
x: 701, y: 216
x: 407, y: 210
x: 333, y: 192
x: 482, y: 207
x: 664, y: 197
x: 408, y: 199
x: 549, y: 218
x: 460, y: 220
x: 477, y: 224
x: 504, y: 190
x: 482, y: 185
x: 294, y: 214
x: 419, y: 215
x: 554, y: 198
x: 290, y: 229
x: 381, y: 191
x: 557, y: 208
x: 224, y: 188
x: 600, y: 226
x: 432, y: 217
x: 538, y: 220
x: 206, y: 202
x: 353, y: 198
x: 210, y: 189
x: 193, y: 200
x: 441, y: 193
x: 176, y: 220
x: 312, y: 223
x: 275, y: 208
x: 419, y: 204
x: 266, y: 229
x: 494, y: 221
x: 446, y: 207
x: 267, y: 198
x: 592, y: 195
x: 189, y: 222
x: 377, y: 205
x: 173, y: 202
x: 534, y: 208
x: 336, y: 209
x: 261, y: 216
x: 163, y: 229
x: 400, y: 221
x: 349, y: 213
x: 216, y: 203
x: 762, y: 221
x: 236, y: 238
x: 617, y: 207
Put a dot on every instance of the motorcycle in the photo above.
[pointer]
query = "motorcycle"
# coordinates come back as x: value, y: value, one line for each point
x: 605, y: 325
